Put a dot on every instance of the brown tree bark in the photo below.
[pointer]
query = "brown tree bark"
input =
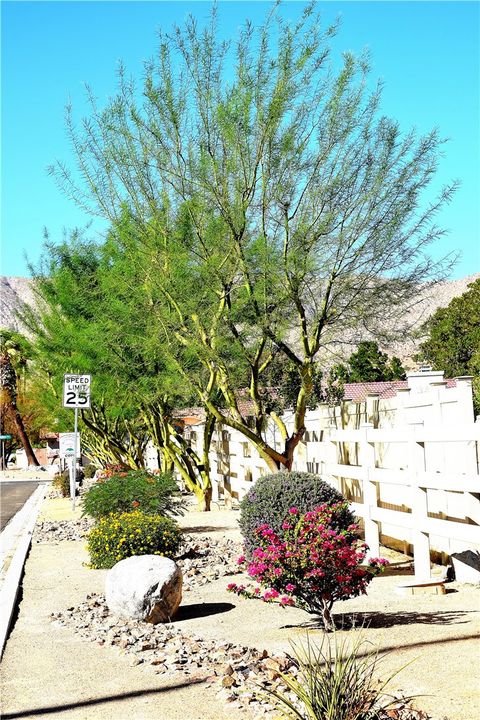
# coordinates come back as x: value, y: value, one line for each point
x: 22, y: 434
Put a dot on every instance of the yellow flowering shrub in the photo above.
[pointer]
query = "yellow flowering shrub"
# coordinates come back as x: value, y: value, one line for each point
x: 119, y: 536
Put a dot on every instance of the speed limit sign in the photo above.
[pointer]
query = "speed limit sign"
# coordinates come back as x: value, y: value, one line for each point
x: 76, y: 391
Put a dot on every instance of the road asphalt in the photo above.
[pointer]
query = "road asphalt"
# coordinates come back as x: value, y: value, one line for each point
x: 50, y: 672
x: 13, y: 495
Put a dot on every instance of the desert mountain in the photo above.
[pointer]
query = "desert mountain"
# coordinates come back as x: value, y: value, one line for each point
x: 17, y: 291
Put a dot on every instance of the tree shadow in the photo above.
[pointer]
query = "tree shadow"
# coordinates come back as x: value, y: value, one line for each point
x: 374, y: 620
x: 205, y: 528
x: 199, y: 610
x: 42, y: 711
x: 385, y: 620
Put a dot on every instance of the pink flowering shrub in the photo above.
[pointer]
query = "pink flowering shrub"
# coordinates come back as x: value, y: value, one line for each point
x: 312, y: 564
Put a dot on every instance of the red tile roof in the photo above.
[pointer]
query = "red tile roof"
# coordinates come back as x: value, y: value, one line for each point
x: 357, y: 392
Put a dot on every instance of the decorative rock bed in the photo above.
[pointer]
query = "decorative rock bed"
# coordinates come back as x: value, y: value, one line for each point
x: 240, y: 675
x: 55, y: 531
x: 201, y: 558
x: 204, y: 559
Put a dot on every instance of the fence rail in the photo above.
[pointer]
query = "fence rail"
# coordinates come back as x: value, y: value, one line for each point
x: 414, y: 479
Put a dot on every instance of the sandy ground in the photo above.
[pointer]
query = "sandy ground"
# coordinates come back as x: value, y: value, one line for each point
x: 50, y: 672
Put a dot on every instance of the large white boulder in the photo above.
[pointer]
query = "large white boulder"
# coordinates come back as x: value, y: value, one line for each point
x: 144, y: 587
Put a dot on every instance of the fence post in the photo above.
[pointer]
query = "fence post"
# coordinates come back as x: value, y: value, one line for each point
x: 372, y: 535
x: 329, y: 453
x: 401, y: 411
x: 421, y: 540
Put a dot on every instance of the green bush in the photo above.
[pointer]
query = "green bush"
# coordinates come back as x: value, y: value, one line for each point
x: 61, y: 482
x: 119, y: 536
x: 272, y: 496
x: 132, y: 490
x: 89, y: 470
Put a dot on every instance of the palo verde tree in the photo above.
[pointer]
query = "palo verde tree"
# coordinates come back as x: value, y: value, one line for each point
x: 94, y: 314
x: 256, y: 167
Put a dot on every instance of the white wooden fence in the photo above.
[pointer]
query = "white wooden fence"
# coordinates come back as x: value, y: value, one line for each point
x: 412, y: 516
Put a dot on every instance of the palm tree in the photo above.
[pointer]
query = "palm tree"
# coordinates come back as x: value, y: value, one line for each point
x: 13, y: 359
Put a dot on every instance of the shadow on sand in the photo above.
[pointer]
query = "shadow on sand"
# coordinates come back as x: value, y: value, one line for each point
x: 198, y: 610
x: 205, y: 529
x: 347, y: 621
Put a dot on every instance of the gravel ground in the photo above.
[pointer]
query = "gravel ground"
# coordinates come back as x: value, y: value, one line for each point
x: 205, y: 662
x: 240, y: 675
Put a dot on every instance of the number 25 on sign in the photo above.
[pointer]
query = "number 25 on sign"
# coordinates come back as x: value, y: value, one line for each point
x: 76, y: 394
x: 76, y: 391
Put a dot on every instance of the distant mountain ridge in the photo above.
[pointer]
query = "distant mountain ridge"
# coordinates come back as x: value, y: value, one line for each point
x: 15, y: 292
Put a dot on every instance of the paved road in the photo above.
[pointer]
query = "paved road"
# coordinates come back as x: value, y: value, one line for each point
x: 13, y: 496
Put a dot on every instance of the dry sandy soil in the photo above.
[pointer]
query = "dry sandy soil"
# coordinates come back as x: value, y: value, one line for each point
x: 50, y: 672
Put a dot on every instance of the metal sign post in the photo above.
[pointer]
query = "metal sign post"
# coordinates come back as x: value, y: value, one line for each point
x: 3, y: 438
x: 76, y: 394
x: 73, y: 476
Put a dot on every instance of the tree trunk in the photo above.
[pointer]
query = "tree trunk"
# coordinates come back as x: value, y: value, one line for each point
x: 204, y: 498
x: 283, y: 461
x: 18, y: 422
x: 326, y: 614
x: 290, y: 447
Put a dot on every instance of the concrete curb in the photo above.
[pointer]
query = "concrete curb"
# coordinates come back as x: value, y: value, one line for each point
x: 16, y: 538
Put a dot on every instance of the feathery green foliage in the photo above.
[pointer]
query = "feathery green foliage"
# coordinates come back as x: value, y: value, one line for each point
x: 276, y: 209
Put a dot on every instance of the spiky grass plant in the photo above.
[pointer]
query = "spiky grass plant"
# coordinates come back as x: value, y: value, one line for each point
x: 336, y: 681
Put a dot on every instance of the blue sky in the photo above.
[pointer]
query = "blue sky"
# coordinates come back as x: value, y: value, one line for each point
x: 427, y: 54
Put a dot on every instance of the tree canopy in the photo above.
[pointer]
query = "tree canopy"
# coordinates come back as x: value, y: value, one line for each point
x: 453, y: 342
x: 94, y: 315
x: 369, y: 364
x: 273, y: 208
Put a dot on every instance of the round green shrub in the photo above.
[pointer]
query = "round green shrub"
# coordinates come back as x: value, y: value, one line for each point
x: 119, y: 536
x: 89, y: 470
x: 270, y: 499
x: 129, y: 491
x: 61, y: 482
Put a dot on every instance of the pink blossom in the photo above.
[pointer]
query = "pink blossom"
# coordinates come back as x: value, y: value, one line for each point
x: 241, y: 560
x: 231, y: 586
x: 293, y: 511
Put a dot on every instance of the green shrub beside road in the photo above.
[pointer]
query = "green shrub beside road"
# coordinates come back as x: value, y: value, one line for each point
x: 272, y: 496
x: 129, y: 491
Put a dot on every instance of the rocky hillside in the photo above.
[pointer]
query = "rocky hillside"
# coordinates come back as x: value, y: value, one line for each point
x: 16, y: 291
x: 439, y: 296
